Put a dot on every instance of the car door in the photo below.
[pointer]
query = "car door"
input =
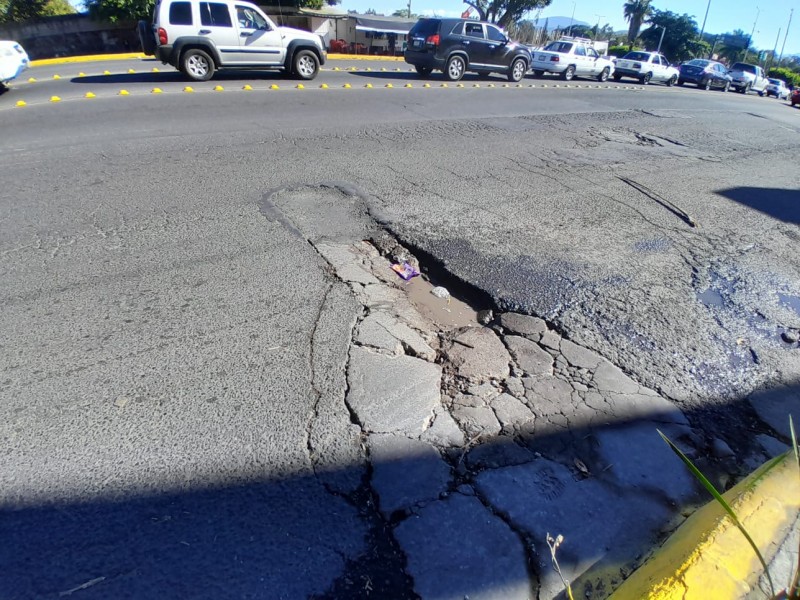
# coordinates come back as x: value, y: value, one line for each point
x: 217, y: 25
x: 581, y: 61
x: 497, y: 47
x: 593, y: 61
x: 656, y: 67
x: 260, y: 42
x: 475, y: 44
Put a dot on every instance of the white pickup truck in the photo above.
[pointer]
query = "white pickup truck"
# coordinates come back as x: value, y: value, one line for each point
x: 748, y: 77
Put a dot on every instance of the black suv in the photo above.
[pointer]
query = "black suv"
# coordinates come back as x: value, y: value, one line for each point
x: 458, y: 45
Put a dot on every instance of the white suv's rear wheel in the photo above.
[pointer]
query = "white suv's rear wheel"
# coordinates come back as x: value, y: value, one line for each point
x: 197, y: 65
x: 306, y: 64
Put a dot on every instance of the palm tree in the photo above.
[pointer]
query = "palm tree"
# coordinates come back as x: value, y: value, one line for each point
x: 636, y: 12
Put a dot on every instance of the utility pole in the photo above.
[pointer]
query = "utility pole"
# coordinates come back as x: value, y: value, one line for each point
x: 409, y: 9
x: 750, y: 41
x: 597, y: 27
x: 572, y: 19
x: 791, y: 12
x: 774, y: 51
x: 703, y: 28
x: 663, y: 31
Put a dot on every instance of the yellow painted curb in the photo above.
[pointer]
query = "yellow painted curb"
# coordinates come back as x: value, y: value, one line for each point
x: 338, y: 56
x: 88, y: 58
x: 708, y: 558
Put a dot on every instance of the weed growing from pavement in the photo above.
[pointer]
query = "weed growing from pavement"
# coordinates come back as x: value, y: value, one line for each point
x: 790, y: 593
x: 553, y: 544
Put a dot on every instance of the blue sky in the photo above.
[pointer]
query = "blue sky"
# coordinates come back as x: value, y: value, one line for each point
x: 723, y: 15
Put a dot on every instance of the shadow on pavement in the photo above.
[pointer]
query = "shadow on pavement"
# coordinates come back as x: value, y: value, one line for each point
x: 779, y: 203
x: 290, y: 537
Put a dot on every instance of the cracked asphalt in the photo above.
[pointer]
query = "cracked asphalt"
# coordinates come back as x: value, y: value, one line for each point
x: 175, y: 349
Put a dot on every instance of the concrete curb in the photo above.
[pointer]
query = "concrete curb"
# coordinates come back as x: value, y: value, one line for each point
x: 708, y: 557
x: 99, y: 57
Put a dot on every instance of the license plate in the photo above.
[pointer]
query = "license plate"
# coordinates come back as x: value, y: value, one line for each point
x: 417, y: 44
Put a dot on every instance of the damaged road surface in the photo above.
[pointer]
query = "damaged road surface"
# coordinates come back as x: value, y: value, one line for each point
x: 213, y: 384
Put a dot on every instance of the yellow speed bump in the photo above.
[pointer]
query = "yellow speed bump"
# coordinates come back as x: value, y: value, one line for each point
x: 347, y: 86
x: 707, y: 557
x: 247, y: 88
x: 156, y: 91
x: 408, y: 85
x: 353, y: 69
x: 426, y: 85
x: 219, y: 88
x: 460, y: 85
x: 55, y: 99
x: 476, y: 85
x: 368, y: 69
x: 336, y: 69
x: 505, y: 85
x: 324, y: 86
x: 56, y: 76
x: 21, y: 103
x: 155, y: 70
x: 106, y: 72
x: 389, y: 85
x: 90, y: 95
x: 490, y: 85
x: 369, y: 85
x: 443, y: 85
x: 274, y: 86
x: 300, y: 86
x: 123, y: 93
x: 32, y: 80
x: 383, y: 68
x: 188, y: 89
x: 131, y: 71
x: 81, y: 74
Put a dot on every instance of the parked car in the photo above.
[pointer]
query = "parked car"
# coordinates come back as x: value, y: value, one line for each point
x: 777, y: 88
x: 570, y: 58
x: 705, y: 74
x: 13, y: 61
x: 198, y: 38
x: 646, y: 67
x: 455, y: 46
x: 795, y: 97
x: 746, y: 77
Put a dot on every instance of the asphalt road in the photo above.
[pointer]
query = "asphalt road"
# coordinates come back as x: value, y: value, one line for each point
x: 155, y: 371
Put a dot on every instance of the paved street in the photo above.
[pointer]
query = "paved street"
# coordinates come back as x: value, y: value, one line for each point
x: 213, y: 385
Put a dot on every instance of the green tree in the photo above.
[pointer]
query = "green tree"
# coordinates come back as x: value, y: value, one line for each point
x: 120, y: 10
x: 505, y: 12
x: 732, y: 46
x: 636, y: 13
x: 17, y: 11
x: 56, y: 8
x: 680, y: 35
x: 404, y: 12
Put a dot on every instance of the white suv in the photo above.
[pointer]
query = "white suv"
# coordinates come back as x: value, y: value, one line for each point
x: 200, y: 37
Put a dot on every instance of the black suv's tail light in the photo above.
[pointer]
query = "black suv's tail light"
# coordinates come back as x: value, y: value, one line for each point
x: 554, y: 59
x: 433, y: 40
x: 162, y: 36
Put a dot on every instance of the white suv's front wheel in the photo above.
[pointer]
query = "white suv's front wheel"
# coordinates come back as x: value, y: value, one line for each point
x: 197, y: 65
x: 306, y: 64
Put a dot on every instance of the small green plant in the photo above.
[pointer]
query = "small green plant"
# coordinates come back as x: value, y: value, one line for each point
x: 553, y: 544
x: 793, y: 591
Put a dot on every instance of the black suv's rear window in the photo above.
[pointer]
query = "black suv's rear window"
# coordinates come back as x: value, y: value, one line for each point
x: 180, y: 13
x: 425, y: 27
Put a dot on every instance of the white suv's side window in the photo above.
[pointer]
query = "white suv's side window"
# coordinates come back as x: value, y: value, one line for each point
x: 215, y: 14
x: 250, y: 19
x: 580, y: 51
x: 180, y: 13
